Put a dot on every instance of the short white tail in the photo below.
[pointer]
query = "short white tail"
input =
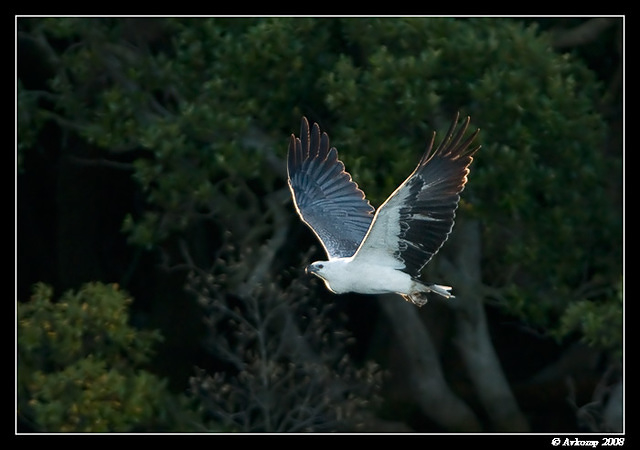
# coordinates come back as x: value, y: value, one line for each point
x: 441, y: 290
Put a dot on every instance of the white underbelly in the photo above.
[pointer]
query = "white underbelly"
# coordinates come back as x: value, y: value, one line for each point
x: 370, y: 279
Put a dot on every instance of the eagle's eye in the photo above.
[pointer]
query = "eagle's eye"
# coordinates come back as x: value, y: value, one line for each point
x: 320, y: 266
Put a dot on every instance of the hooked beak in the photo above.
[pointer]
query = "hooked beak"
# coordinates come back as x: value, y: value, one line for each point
x: 309, y: 270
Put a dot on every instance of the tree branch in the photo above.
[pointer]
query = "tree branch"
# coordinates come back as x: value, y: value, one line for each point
x: 583, y: 33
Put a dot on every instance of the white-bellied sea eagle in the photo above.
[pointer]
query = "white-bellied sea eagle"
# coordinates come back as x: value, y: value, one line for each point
x: 385, y: 252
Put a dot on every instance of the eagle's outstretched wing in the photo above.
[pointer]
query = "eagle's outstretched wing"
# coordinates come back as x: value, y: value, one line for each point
x: 326, y: 197
x: 413, y: 223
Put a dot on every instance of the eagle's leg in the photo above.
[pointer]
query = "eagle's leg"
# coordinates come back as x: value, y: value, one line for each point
x: 419, y: 297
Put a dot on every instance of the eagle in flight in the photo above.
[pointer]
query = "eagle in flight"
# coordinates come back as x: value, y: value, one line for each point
x: 383, y: 252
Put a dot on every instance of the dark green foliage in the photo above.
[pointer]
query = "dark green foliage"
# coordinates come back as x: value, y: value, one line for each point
x: 598, y: 323
x: 79, y: 364
x: 190, y: 103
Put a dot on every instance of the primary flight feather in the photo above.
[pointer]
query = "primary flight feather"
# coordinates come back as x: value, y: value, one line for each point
x: 382, y: 252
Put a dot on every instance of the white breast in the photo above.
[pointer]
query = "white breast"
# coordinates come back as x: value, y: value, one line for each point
x: 345, y: 275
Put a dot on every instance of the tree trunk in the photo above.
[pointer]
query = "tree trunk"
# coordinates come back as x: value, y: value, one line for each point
x: 432, y: 394
x: 472, y: 332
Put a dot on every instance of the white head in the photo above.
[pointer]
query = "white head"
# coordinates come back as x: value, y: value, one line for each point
x: 318, y: 268
x: 329, y: 271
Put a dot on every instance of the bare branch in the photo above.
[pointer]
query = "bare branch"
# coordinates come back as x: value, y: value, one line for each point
x: 582, y: 34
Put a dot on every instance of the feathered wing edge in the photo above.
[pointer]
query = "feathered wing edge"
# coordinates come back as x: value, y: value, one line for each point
x: 325, y: 196
x: 452, y: 147
x: 434, y: 189
x: 451, y: 144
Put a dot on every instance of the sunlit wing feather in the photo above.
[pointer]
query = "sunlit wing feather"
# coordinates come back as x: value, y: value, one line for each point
x: 325, y: 196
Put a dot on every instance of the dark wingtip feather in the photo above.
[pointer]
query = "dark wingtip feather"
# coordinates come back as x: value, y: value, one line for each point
x: 304, y: 138
x: 450, y: 141
x: 324, y: 146
x: 304, y: 126
x: 292, y: 157
x: 451, y: 146
x: 426, y: 156
x: 465, y: 145
x: 314, y: 142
